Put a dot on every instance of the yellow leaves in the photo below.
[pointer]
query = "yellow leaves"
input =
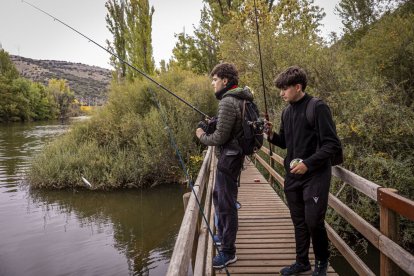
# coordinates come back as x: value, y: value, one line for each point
x: 355, y: 128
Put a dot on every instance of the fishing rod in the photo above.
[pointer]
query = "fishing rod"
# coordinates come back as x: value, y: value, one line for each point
x: 184, y: 168
x: 261, y: 63
x: 121, y: 60
x: 261, y: 71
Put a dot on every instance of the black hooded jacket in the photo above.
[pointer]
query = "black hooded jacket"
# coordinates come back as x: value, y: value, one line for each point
x: 301, y: 139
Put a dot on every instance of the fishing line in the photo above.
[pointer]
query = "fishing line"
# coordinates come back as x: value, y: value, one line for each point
x: 184, y: 168
x: 121, y: 60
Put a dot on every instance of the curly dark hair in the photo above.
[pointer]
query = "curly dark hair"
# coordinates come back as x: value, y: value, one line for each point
x: 292, y: 76
x: 226, y: 70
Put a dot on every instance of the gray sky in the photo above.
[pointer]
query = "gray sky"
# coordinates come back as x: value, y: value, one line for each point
x: 27, y: 32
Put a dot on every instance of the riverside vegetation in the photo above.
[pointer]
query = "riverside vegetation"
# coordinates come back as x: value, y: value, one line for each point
x: 25, y: 100
x: 366, y: 77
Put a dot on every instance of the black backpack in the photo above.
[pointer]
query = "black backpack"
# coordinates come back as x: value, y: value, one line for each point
x: 251, y: 137
x: 338, y: 157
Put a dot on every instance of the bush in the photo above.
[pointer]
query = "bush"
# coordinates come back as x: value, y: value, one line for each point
x: 125, y: 144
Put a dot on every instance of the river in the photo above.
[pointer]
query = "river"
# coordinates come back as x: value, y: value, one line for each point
x: 79, y: 232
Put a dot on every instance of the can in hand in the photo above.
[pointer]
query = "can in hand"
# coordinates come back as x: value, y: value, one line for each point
x: 295, y: 162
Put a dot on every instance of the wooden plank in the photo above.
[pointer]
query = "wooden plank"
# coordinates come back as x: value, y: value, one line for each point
x: 388, y: 227
x: 361, y: 184
x: 204, y: 233
x: 267, y: 240
x: 357, y: 264
x: 396, y: 202
x: 363, y: 227
x: 397, y: 254
x: 265, y: 269
x: 268, y: 245
x: 275, y: 157
x: 264, y: 232
x: 253, y: 235
x: 277, y: 176
x: 210, y: 246
x: 265, y: 251
x: 183, y: 246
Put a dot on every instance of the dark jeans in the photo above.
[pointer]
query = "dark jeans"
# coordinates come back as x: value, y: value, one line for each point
x: 307, y: 202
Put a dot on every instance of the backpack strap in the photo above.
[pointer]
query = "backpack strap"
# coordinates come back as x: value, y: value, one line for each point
x: 243, y: 110
x: 310, y: 111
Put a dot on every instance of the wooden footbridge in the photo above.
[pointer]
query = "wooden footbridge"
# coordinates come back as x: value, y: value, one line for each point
x: 265, y: 239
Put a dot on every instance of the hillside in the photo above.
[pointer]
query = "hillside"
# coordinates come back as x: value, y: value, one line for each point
x: 89, y: 83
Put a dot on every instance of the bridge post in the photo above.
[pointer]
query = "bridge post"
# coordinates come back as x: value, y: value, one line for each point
x: 388, y: 227
x: 272, y: 165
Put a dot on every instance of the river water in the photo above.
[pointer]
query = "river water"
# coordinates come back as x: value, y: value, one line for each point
x: 79, y: 232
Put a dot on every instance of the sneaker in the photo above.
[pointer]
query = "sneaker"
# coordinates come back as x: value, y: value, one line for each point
x: 223, y: 260
x: 295, y: 268
x: 217, y: 240
x: 320, y: 268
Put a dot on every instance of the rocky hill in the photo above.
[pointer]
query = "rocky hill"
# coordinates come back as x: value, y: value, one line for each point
x: 89, y: 83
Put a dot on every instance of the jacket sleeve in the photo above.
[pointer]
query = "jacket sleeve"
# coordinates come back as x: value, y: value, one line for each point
x: 279, y: 139
x: 329, y: 143
x: 227, y: 116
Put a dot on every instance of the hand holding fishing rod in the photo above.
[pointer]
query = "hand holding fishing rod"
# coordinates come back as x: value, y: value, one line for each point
x: 121, y: 60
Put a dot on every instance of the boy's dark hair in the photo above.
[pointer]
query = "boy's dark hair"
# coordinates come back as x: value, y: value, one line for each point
x: 226, y: 70
x: 292, y: 76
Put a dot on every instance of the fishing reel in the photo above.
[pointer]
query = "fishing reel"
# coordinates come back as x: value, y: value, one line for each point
x: 258, y: 126
x: 209, y: 126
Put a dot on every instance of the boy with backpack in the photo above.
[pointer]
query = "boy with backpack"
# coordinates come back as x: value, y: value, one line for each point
x: 226, y: 136
x: 308, y: 132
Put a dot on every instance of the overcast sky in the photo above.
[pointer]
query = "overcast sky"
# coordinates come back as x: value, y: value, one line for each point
x: 27, y: 32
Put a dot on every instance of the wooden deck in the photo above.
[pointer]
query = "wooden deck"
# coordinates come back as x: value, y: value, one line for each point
x: 265, y: 239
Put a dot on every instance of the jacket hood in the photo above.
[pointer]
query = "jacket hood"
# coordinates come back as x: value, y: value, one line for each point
x: 241, y: 93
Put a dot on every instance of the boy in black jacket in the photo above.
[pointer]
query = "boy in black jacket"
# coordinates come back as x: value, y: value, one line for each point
x: 308, y: 168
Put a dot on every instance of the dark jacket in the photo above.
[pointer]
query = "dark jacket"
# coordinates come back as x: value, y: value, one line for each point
x: 229, y: 121
x: 301, y: 140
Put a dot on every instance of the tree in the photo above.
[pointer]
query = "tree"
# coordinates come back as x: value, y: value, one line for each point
x: 358, y: 15
x: 298, y: 18
x: 199, y: 53
x: 130, y: 22
x: 63, y: 96
x: 116, y: 25
x: 7, y: 68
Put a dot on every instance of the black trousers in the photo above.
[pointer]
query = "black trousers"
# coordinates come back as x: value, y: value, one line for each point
x: 225, y: 191
x: 307, y: 199
x: 224, y: 200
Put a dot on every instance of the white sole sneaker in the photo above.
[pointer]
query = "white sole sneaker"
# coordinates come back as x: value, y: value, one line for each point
x: 227, y: 263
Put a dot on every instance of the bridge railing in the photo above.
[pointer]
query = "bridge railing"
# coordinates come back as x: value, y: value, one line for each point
x: 193, y: 241
x: 391, y: 206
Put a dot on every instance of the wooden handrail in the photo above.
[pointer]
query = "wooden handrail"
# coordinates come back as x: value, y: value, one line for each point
x: 204, y: 233
x: 183, y: 246
x: 363, y: 185
x: 397, y: 203
x: 388, y: 201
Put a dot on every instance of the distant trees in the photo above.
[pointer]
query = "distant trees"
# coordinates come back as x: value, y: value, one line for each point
x: 24, y: 100
x: 130, y: 22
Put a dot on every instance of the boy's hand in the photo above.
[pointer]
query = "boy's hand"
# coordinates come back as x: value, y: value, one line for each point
x: 300, y: 168
x: 268, y: 129
x: 199, y: 132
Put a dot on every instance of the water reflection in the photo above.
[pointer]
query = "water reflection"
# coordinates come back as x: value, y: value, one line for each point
x: 129, y: 232
x: 143, y: 224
